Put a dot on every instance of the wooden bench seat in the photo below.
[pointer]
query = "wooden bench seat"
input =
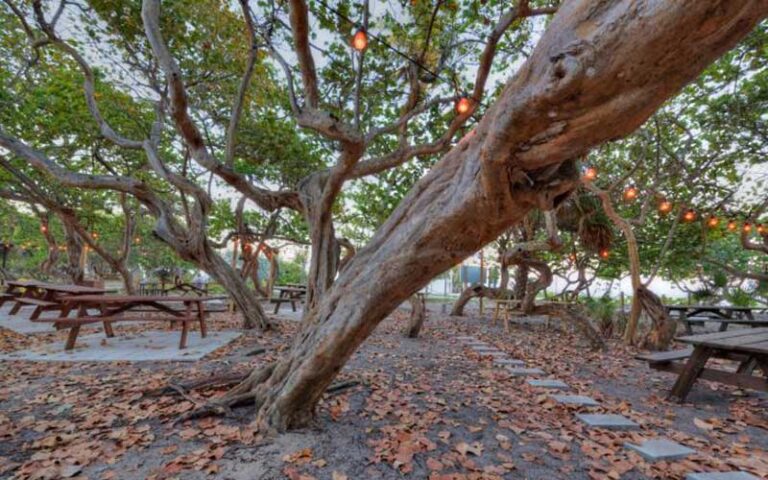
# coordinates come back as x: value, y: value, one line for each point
x: 36, y: 302
x: 40, y: 306
x: 657, y: 358
x: 74, y: 325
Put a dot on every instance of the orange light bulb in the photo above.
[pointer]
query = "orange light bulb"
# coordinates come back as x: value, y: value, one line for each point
x: 732, y: 226
x: 761, y: 229
x: 712, y: 222
x: 665, y: 206
x: 630, y: 193
x: 463, y: 105
x: 590, y: 174
x: 689, y: 215
x: 604, y: 253
x: 747, y: 227
x: 360, y: 40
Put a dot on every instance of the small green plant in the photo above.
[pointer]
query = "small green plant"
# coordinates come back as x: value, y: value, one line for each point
x: 739, y: 298
x: 603, y: 310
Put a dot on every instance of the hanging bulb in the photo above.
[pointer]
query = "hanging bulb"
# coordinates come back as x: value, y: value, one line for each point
x: 689, y: 215
x: 463, y: 105
x: 630, y: 193
x: 761, y: 229
x: 572, y: 257
x: 605, y: 253
x: 713, y: 221
x: 732, y: 225
x: 665, y: 206
x: 43, y: 228
x: 94, y: 235
x: 137, y: 240
x: 747, y: 227
x: 360, y: 40
x: 590, y: 174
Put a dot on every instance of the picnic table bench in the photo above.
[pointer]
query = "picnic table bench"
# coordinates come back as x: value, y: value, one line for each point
x: 288, y: 294
x: 112, y: 308
x: 691, y: 315
x: 749, y: 347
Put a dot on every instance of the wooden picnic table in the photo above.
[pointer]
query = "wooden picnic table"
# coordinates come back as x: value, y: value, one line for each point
x: 112, y: 308
x: 747, y: 346
x: 47, y: 296
x: 16, y: 289
x: 725, y: 315
x: 288, y: 294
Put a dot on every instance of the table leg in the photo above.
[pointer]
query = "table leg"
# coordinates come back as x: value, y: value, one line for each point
x: 107, y: 325
x: 293, y: 303
x: 684, y: 319
x: 747, y: 366
x: 723, y: 327
x: 690, y: 373
x: 762, y: 364
x: 184, y: 331
x: 72, y: 337
x: 201, y: 319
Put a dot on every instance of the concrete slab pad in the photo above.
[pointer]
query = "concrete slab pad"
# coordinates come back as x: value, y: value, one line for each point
x: 611, y: 421
x: 660, y: 449
x: 721, y: 476
x: 137, y: 347
x: 513, y: 362
x: 523, y: 372
x: 548, y: 383
x: 575, y: 400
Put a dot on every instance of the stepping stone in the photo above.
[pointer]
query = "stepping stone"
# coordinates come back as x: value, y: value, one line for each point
x: 484, y: 348
x: 497, y: 354
x: 660, y: 449
x: 575, y: 400
x: 617, y: 422
x: 548, y: 383
x: 508, y: 361
x: 721, y: 476
x: 522, y: 372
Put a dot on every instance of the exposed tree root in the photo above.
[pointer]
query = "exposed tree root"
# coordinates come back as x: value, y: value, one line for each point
x: 249, y: 392
x: 210, y: 382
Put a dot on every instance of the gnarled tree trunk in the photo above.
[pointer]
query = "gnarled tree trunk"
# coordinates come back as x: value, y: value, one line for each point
x: 418, y: 316
x: 663, y: 327
x: 53, y: 248
x: 478, y: 291
x: 74, y: 254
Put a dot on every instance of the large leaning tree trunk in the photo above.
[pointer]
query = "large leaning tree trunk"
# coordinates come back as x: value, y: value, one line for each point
x: 597, y: 73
